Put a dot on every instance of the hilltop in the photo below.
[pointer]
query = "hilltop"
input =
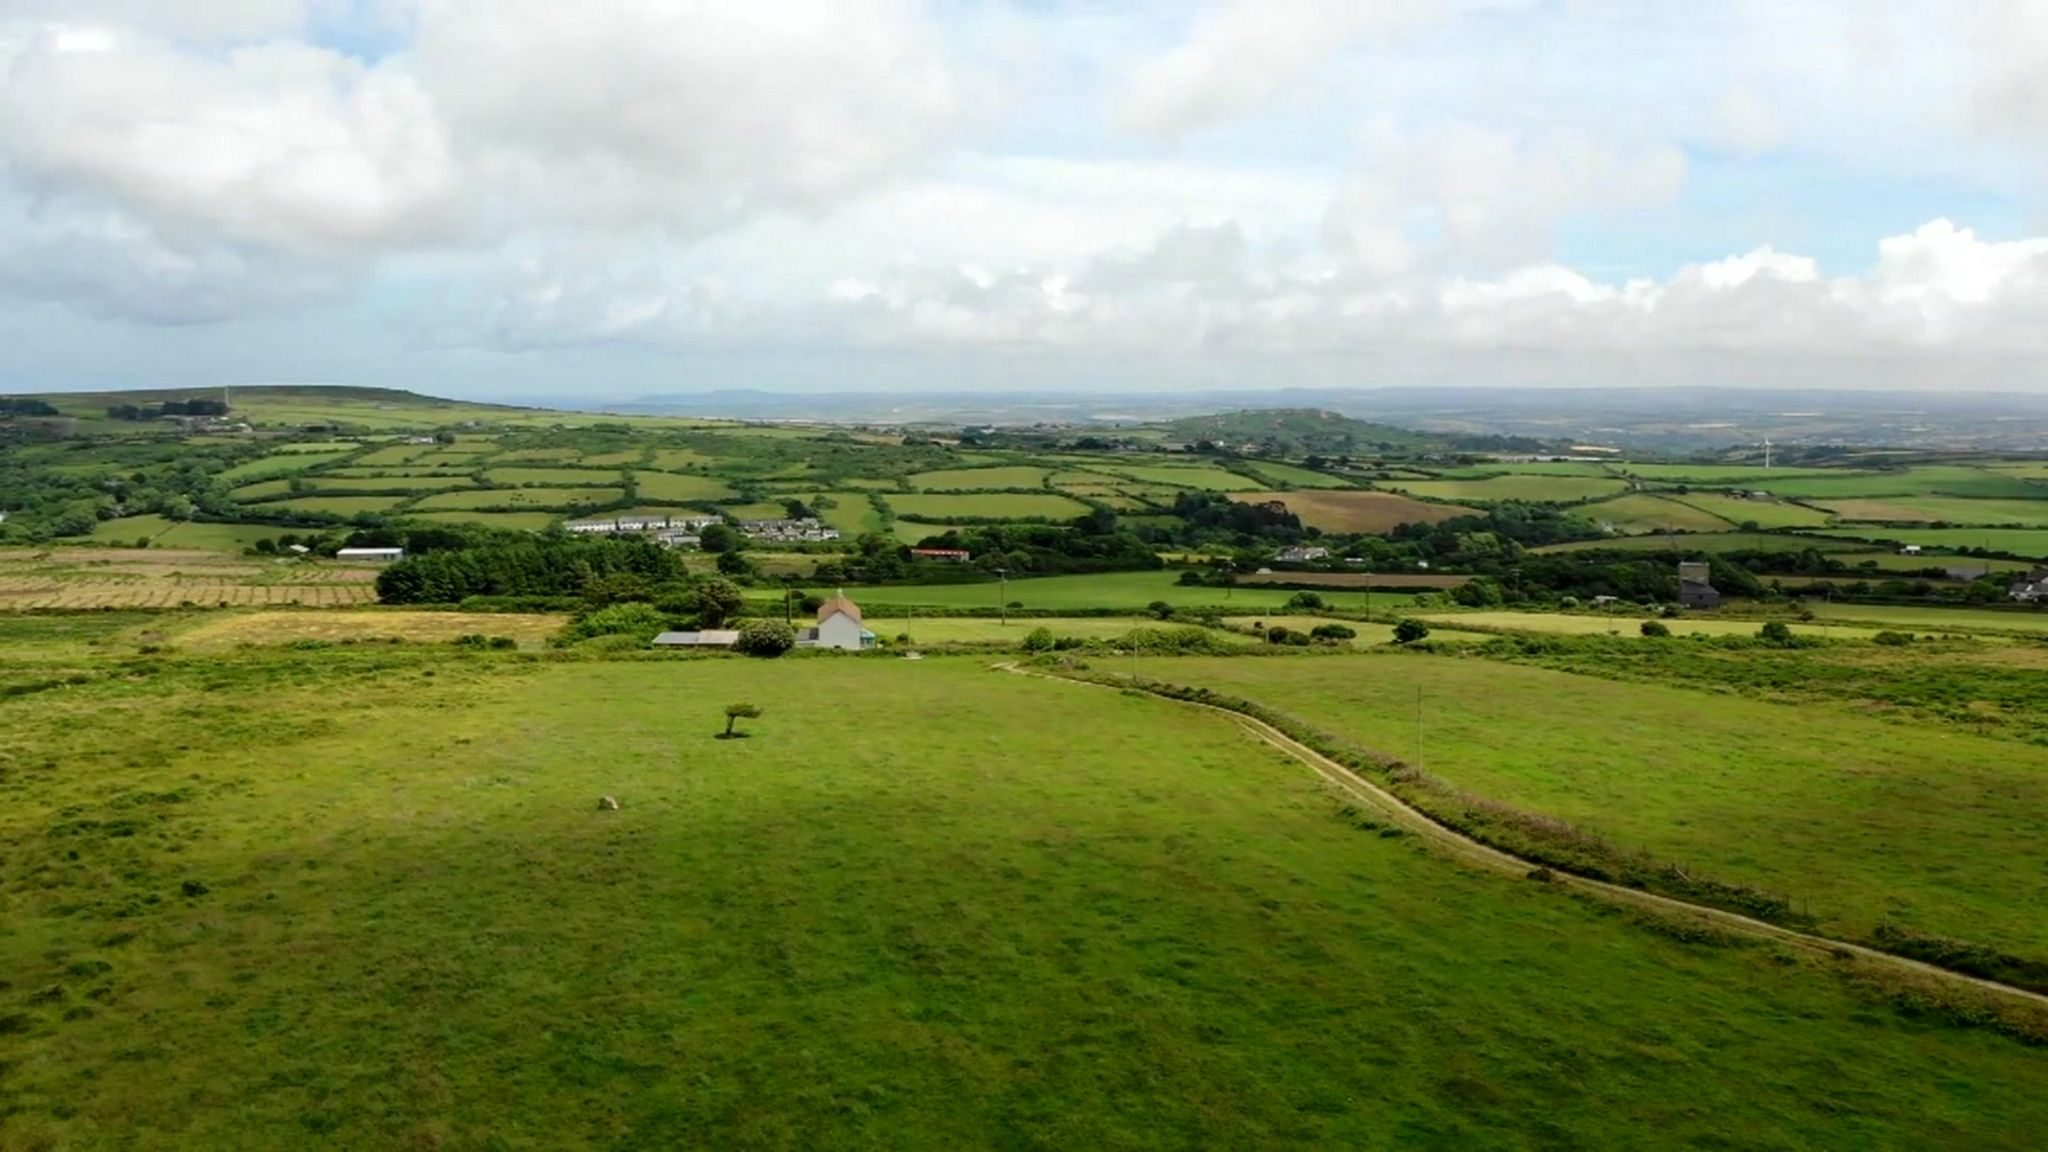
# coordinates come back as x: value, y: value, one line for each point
x: 1318, y: 432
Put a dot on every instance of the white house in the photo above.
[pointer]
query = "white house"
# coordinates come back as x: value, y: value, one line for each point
x: 370, y: 555
x: 838, y: 626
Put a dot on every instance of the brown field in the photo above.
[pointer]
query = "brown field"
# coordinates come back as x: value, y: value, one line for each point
x: 177, y: 594
x: 88, y: 578
x: 236, y: 629
x: 1356, y: 580
x: 1340, y: 510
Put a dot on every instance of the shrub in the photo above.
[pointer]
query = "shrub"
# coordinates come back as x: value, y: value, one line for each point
x: 734, y: 713
x: 765, y: 638
x: 1333, y: 632
x: 1776, y: 633
x: 1277, y: 634
x: 1893, y: 639
x: 1410, y: 630
x: 1039, y: 639
x: 1190, y: 578
x: 1160, y: 609
x: 1655, y: 628
x: 1306, y: 601
x: 643, y: 622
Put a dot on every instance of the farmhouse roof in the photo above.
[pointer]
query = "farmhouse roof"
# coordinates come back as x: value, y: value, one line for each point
x: 838, y: 604
x: 710, y: 638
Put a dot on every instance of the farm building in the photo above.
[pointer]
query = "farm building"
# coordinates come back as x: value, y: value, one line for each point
x: 838, y: 626
x: 370, y: 555
x: 956, y: 555
x: 1910, y: 550
x: 1695, y: 590
x: 1299, y: 555
x: 709, y: 638
x: 807, y: 531
x: 2032, y: 588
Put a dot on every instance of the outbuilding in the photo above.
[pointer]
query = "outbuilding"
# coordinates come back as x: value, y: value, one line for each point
x: 371, y: 555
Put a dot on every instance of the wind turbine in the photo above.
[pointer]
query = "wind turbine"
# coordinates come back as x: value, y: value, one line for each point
x: 1767, y: 451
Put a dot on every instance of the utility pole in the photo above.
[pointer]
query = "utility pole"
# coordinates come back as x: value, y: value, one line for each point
x: 1003, y: 574
x: 1418, y: 727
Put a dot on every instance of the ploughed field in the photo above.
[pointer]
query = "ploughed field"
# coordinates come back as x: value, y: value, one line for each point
x: 364, y: 897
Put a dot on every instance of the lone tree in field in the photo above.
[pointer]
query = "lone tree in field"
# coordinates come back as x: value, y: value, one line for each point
x: 734, y: 713
x: 1655, y: 628
x: 1409, y: 630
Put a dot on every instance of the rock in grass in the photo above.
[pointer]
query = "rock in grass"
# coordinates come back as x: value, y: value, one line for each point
x: 607, y: 804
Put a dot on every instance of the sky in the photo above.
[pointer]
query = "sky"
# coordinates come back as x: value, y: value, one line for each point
x: 616, y: 199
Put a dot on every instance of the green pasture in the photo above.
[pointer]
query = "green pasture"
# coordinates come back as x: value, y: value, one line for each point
x: 519, y: 499
x: 987, y: 630
x: 1753, y: 476
x: 915, y: 531
x: 619, y: 459
x: 1530, y: 468
x: 280, y: 464
x: 1762, y: 513
x: 681, y: 460
x: 986, y: 505
x: 1950, y: 509
x: 520, y: 521
x: 1713, y: 542
x: 164, y: 533
x: 1640, y: 512
x: 1294, y: 476
x: 363, y: 897
x: 555, y: 477
x: 1928, y: 480
x: 393, y: 455
x: 1629, y: 623
x: 2028, y: 542
x: 1013, y: 476
x: 1936, y: 619
x: 1857, y: 820
x: 1201, y: 477
x: 1528, y: 489
x: 682, y: 489
x: 343, y: 505
x: 1110, y: 590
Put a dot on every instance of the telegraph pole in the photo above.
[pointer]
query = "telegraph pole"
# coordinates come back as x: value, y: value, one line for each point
x: 1418, y: 727
x: 1003, y: 574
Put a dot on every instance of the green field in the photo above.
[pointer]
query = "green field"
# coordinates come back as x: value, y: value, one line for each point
x: 1529, y: 468
x: 251, y: 923
x: 1754, y: 476
x: 949, y: 479
x: 163, y: 533
x: 1203, y: 478
x: 519, y: 499
x: 1112, y: 590
x: 342, y: 505
x: 1762, y: 513
x: 1713, y: 542
x: 281, y: 464
x: 987, y: 630
x: 1276, y: 473
x: 394, y: 455
x: 518, y: 521
x: 1641, y: 512
x: 1929, y: 480
x: 1936, y: 619
x: 2028, y: 542
x: 570, y: 477
x: 1953, y: 510
x: 988, y: 505
x: 1858, y: 820
x: 683, y: 489
x: 1630, y: 624
x: 1529, y: 489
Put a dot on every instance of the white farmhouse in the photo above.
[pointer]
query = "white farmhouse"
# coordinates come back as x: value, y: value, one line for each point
x: 838, y: 626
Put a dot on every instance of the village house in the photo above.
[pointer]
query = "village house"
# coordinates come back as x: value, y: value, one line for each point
x: 2031, y: 588
x: 370, y: 555
x: 1301, y: 555
x: 607, y: 527
x: 956, y: 555
x: 838, y: 626
x: 805, y: 531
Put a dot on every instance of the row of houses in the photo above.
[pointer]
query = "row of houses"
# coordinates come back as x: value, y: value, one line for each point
x: 808, y: 530
x: 693, y: 523
x: 2031, y: 588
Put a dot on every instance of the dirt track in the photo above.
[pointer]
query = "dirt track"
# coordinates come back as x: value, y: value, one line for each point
x: 1470, y: 851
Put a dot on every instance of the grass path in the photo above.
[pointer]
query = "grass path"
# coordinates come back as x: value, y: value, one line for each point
x: 1472, y: 852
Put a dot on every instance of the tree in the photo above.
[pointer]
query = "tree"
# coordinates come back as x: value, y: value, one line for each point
x: 1775, y: 632
x: 734, y: 713
x: 1410, y: 630
x: 765, y: 638
x: 1306, y: 602
x: 641, y: 621
x: 1655, y: 628
x: 718, y: 538
x: 716, y: 601
x: 1160, y: 609
x: 735, y: 563
x: 1039, y: 639
x: 1333, y: 632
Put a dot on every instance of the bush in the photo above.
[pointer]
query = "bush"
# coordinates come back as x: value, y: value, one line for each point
x: 1333, y: 632
x: 734, y: 713
x: 1306, y: 601
x: 1410, y: 630
x: 643, y: 622
x: 765, y: 638
x: 1160, y: 609
x: 1655, y: 628
x: 1893, y: 639
x: 1776, y: 633
x: 1039, y: 639
x: 1190, y: 578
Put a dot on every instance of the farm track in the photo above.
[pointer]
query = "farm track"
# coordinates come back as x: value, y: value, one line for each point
x: 1469, y: 851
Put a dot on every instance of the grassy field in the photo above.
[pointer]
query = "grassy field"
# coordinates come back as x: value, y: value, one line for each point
x: 1528, y: 489
x: 281, y: 464
x: 1630, y: 624
x: 350, y: 505
x: 1112, y: 590
x: 1745, y: 475
x: 1206, y: 479
x: 554, y: 477
x: 981, y: 630
x: 165, y: 533
x: 991, y: 505
x: 253, y: 923
x: 686, y: 489
x: 520, y: 521
x: 1858, y: 820
x: 1015, y: 476
x: 1273, y: 472
x: 1714, y: 542
x: 1762, y: 513
x: 1936, y: 619
x: 1641, y: 512
x: 1929, y: 480
x: 519, y: 498
x: 1954, y: 510
x: 1356, y: 511
x: 2029, y: 542
x: 217, y: 631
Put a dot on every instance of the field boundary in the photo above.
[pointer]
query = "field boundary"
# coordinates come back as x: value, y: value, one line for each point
x: 1478, y: 854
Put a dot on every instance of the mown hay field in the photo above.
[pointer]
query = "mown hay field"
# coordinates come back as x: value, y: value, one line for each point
x: 199, y: 593
x: 1335, y: 510
x: 1206, y: 479
x: 669, y: 486
x: 217, y: 631
x: 1527, y: 489
x: 2031, y: 543
x: 362, y: 897
x: 340, y: 505
x: 1012, y: 476
x: 1953, y: 510
x: 516, y: 499
x: 1641, y: 512
x: 1763, y: 513
x: 1630, y: 624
